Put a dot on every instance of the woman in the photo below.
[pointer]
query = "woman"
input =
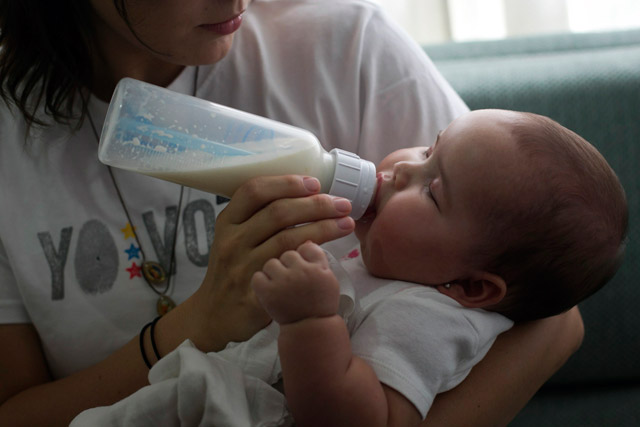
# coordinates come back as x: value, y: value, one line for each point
x: 85, y: 252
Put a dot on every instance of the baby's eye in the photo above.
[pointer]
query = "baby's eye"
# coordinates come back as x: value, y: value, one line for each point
x: 427, y: 152
x: 430, y: 193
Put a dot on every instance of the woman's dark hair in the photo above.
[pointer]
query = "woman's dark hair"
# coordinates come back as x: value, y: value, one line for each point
x: 45, y: 57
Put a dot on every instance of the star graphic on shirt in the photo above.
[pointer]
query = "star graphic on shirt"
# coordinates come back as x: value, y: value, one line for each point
x: 134, y: 270
x: 128, y: 231
x: 133, y: 252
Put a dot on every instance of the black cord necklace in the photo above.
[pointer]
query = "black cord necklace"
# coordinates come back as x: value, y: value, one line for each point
x: 153, y: 272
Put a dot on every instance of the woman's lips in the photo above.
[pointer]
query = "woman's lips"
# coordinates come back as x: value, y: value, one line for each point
x: 226, y: 27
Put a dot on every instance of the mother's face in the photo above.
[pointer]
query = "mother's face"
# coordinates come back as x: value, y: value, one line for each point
x: 185, y: 32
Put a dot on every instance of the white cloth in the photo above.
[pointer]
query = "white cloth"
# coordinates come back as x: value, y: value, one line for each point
x: 417, y: 340
x: 190, y: 388
x: 338, y: 68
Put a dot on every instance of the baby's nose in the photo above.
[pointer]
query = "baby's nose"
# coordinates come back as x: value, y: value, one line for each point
x: 403, y: 172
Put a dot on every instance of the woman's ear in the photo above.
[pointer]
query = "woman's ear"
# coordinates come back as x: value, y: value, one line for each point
x: 481, y: 290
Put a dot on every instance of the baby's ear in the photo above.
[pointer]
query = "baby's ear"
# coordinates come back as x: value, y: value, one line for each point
x: 481, y: 290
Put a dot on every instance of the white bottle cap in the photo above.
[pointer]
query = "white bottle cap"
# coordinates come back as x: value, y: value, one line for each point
x: 353, y: 179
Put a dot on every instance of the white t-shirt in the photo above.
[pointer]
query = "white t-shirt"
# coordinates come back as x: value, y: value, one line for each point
x: 338, y: 68
x: 418, y: 341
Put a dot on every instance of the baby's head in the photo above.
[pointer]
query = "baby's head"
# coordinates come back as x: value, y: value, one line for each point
x: 511, y: 211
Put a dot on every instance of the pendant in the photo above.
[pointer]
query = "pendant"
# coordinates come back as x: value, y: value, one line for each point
x: 165, y: 305
x: 154, y: 273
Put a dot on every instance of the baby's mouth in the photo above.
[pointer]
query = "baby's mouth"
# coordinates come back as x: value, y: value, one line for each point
x: 369, y: 215
x: 371, y: 212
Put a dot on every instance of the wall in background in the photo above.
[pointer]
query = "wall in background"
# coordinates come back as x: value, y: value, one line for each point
x: 436, y: 21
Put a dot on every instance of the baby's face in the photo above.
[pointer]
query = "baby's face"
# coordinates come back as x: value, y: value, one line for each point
x: 425, y: 220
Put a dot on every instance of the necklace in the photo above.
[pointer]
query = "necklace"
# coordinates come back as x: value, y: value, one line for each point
x: 153, y: 272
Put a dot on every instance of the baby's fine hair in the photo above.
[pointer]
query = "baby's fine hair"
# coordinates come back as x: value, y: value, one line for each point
x: 568, y: 239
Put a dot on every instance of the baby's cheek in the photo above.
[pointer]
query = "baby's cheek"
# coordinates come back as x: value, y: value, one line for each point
x: 373, y: 256
x: 382, y: 249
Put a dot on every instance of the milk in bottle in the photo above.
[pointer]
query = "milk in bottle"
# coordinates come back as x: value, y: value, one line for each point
x: 193, y: 142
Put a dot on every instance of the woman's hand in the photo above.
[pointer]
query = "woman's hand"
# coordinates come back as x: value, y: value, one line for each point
x: 266, y: 217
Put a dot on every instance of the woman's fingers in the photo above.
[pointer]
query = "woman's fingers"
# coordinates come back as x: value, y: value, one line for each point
x: 261, y: 191
x: 283, y: 214
x: 318, y: 232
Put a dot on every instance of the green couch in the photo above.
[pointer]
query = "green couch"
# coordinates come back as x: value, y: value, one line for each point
x: 591, y: 84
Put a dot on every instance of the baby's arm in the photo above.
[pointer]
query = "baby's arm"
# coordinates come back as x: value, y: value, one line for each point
x: 324, y: 382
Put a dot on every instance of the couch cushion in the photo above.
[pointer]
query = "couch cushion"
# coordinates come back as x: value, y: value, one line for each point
x: 586, y: 407
x: 534, y: 45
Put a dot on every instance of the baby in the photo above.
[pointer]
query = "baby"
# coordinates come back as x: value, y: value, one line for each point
x: 507, y: 216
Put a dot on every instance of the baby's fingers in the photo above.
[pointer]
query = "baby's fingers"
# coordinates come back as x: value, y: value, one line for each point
x: 311, y: 252
x: 273, y: 269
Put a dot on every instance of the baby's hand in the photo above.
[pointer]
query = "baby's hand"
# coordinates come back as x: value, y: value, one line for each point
x: 298, y: 285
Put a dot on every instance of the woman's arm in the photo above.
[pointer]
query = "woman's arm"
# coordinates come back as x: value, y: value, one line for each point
x: 519, y: 363
x: 256, y: 225
x: 29, y: 395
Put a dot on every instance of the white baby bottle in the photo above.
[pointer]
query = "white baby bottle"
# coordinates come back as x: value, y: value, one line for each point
x: 193, y: 142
